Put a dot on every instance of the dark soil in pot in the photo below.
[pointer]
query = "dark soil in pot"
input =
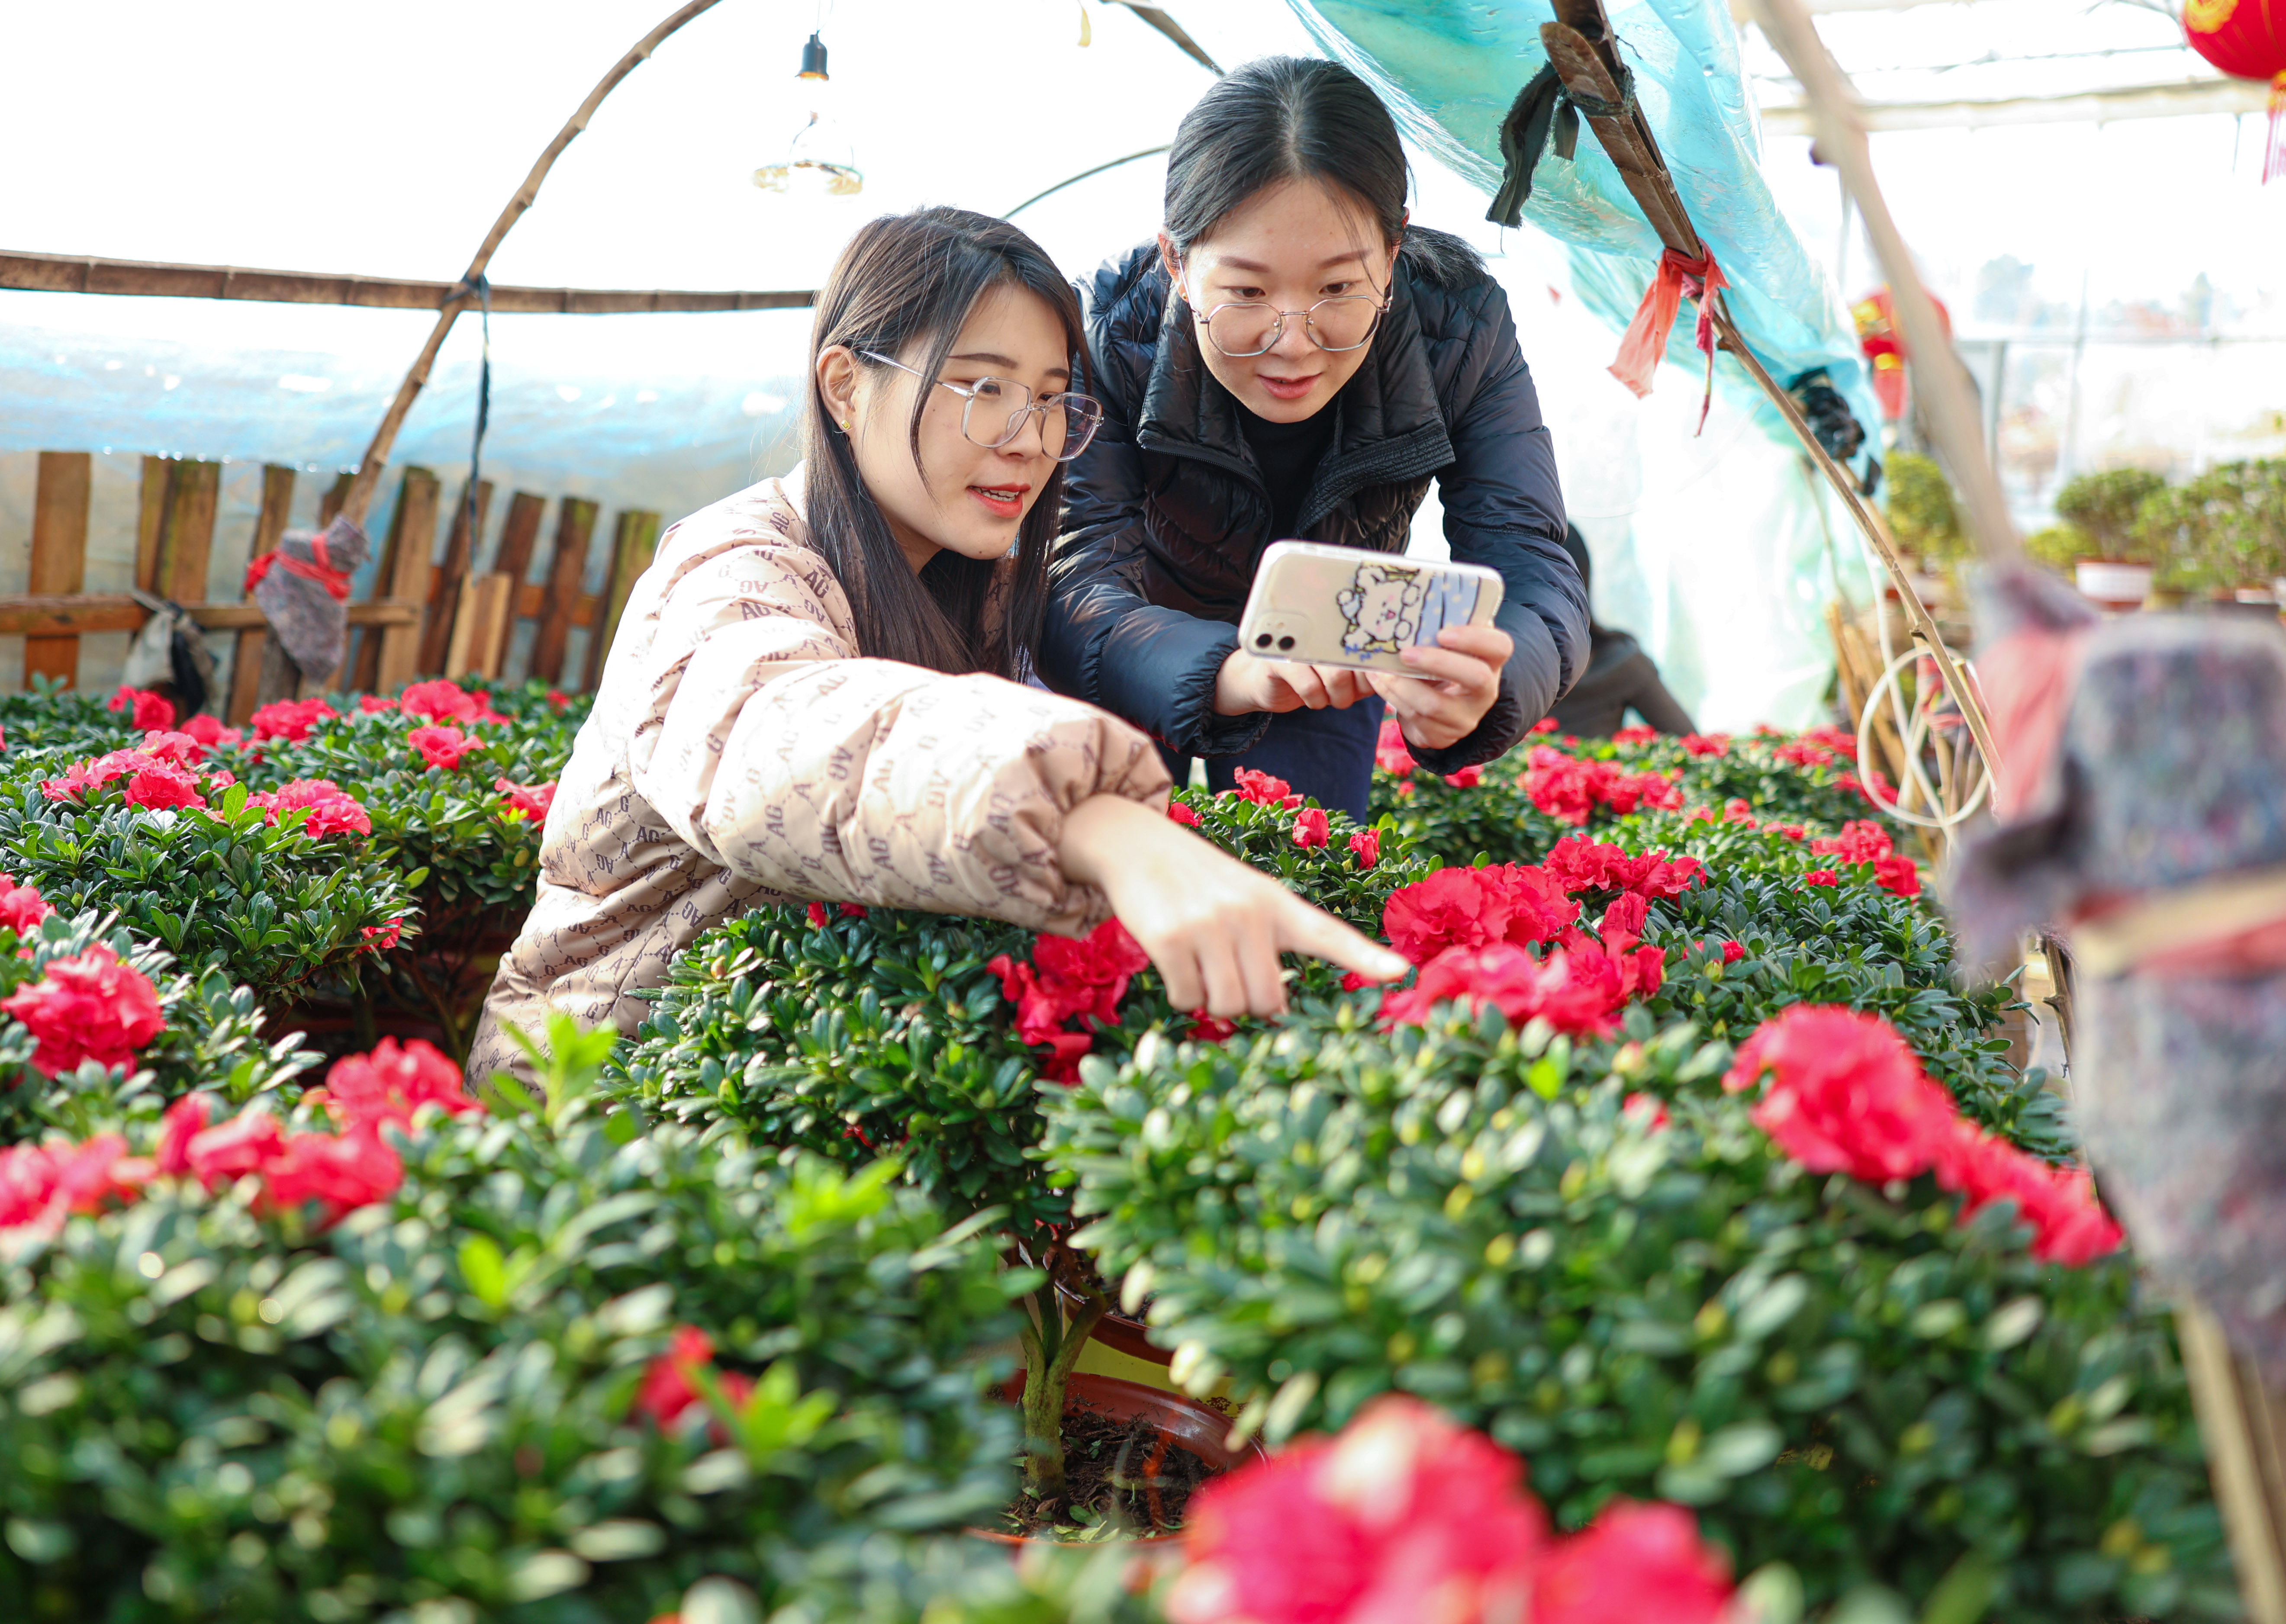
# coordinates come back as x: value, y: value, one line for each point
x: 1133, y: 1456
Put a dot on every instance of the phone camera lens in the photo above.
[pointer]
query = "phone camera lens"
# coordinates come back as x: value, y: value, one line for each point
x: 1263, y: 642
x: 1285, y: 643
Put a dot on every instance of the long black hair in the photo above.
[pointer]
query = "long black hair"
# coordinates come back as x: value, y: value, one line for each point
x: 912, y: 278
x: 1281, y: 119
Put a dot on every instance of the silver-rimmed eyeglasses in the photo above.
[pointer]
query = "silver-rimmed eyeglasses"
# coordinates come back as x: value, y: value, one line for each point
x: 1068, y: 422
x: 1248, y: 327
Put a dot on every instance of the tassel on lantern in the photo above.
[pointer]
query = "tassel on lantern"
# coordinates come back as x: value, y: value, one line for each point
x: 2247, y: 40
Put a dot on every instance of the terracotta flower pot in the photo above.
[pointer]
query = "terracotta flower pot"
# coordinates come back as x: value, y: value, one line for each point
x: 1121, y: 1333
x: 1177, y: 1419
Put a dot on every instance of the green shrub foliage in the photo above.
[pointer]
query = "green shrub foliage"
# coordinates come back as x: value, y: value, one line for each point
x: 267, y: 905
x: 432, y: 1405
x: 888, y: 1031
x: 1843, y: 1378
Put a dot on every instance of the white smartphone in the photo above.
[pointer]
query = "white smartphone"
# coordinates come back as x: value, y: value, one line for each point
x: 1325, y: 605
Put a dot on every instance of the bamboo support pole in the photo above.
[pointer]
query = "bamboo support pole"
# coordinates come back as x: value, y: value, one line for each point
x: 368, y: 475
x: 1950, y: 404
x: 1877, y: 534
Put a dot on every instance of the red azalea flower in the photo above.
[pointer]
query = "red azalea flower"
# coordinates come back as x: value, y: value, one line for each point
x: 1546, y: 724
x: 1365, y: 845
x: 1207, y: 1029
x: 1182, y: 814
x: 21, y: 907
x: 1310, y: 828
x: 226, y: 1153
x: 1635, y: 735
x: 1405, y: 1517
x: 1563, y: 786
x: 2069, y: 1223
x: 1513, y: 981
x: 182, y: 749
x: 150, y: 710
x: 557, y: 697
x: 442, y: 746
x: 1466, y: 778
x: 1645, y: 1110
x: 1632, y: 1563
x: 383, y: 937
x: 1262, y: 789
x: 341, y: 1171
x: 1706, y: 744
x: 1353, y: 982
x: 374, y: 704
x: 1898, y: 875
x: 89, y: 1006
x: 1792, y: 832
x: 440, y: 700
x: 290, y: 719
x: 162, y: 785
x: 1577, y: 864
x: 41, y: 1185
x: 333, y: 810
x: 817, y: 916
x: 1451, y: 908
x: 531, y: 799
x: 1388, y: 750
x: 1070, y: 981
x: 1739, y: 812
x: 184, y: 1122
x: 209, y: 731
x: 668, y: 1392
x: 1733, y: 951
x: 1845, y: 1095
x: 392, y: 1083
x: 1821, y: 877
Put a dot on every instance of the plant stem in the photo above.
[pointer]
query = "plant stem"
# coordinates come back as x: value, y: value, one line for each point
x: 1050, y: 1349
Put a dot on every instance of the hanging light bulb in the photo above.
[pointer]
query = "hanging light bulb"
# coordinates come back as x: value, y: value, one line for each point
x: 819, y: 162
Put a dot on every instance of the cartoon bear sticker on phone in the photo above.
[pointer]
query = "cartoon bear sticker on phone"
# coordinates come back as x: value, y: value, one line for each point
x: 1338, y: 606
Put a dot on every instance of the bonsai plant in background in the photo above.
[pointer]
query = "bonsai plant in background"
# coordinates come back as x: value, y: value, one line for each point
x: 2117, y: 567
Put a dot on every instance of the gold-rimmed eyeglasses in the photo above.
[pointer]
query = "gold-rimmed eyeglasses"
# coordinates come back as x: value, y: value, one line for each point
x: 1068, y: 422
x: 1248, y: 327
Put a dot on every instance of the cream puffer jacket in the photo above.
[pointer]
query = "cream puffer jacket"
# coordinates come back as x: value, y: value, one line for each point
x: 743, y: 751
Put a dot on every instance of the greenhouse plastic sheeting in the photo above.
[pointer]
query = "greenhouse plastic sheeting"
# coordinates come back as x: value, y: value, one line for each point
x: 1451, y: 70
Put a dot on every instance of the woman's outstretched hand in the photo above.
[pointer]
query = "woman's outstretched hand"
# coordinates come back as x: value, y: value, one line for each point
x: 1213, y: 926
x: 1454, y: 684
x: 1247, y: 685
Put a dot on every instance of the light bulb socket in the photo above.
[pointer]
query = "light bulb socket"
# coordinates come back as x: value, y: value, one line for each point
x: 813, y: 59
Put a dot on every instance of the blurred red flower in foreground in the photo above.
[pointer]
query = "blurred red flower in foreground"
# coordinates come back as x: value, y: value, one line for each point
x: 1409, y: 1518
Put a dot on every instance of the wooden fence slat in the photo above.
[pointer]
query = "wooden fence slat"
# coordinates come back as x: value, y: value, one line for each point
x: 573, y: 529
x: 330, y: 503
x: 634, y: 541
x: 479, y: 627
x: 519, y: 534
x: 186, y: 538
x: 150, y: 520
x: 58, y: 554
x: 248, y: 665
x: 361, y: 667
x: 413, y: 543
x: 444, y: 592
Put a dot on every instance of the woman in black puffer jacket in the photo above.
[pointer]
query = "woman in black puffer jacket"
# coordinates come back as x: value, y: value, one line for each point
x: 1233, y: 421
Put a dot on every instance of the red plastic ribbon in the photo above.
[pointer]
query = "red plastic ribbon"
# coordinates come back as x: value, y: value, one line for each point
x: 335, y: 581
x: 1645, y: 340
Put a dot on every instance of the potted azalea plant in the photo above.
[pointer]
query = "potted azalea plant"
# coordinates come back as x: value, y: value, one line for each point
x: 855, y: 1034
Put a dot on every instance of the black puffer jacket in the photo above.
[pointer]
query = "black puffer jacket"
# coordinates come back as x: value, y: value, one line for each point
x: 1166, y: 514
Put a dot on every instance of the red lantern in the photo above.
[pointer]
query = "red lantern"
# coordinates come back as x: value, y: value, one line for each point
x: 2247, y: 39
x: 1883, y: 342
